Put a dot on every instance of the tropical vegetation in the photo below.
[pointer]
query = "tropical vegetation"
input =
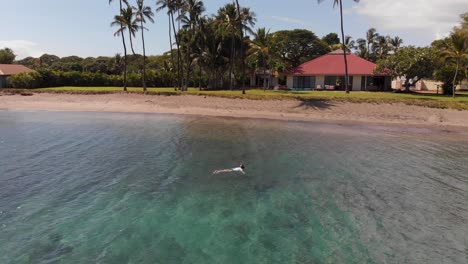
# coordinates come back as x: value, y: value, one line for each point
x: 225, y: 51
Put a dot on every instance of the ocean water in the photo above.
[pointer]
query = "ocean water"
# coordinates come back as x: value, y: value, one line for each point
x: 138, y: 188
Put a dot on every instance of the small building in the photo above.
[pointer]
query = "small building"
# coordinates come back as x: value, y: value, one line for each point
x: 7, y: 70
x: 328, y: 72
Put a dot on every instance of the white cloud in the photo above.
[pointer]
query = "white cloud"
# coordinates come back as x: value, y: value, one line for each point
x: 291, y: 20
x: 432, y: 18
x: 22, y: 48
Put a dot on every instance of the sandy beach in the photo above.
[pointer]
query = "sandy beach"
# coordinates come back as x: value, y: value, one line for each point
x: 327, y: 111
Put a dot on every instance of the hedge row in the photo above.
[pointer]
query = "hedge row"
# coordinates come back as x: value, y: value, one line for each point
x: 50, y: 78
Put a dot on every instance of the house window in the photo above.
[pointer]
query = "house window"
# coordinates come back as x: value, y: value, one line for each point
x: 302, y: 82
x: 338, y: 81
x: 330, y: 80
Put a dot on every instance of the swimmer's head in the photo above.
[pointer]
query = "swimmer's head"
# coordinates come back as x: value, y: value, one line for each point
x: 242, y: 166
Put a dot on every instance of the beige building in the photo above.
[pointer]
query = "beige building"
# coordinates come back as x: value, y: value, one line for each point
x: 7, y: 70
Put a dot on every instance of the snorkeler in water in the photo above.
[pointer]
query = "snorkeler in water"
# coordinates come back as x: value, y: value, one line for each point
x: 237, y: 169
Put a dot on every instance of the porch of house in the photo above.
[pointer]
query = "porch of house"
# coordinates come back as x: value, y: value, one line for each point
x: 326, y: 82
x: 4, y: 82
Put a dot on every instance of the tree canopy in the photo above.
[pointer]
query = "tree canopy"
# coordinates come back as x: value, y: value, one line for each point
x: 331, y: 39
x: 295, y: 47
x: 410, y: 63
x: 7, y: 56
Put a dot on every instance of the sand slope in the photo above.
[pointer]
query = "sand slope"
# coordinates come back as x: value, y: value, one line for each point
x: 214, y: 106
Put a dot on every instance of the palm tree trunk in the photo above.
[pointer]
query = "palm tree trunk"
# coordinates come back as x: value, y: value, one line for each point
x: 170, y: 44
x: 144, y: 57
x: 125, y: 52
x: 131, y: 42
x: 454, y: 84
x: 199, y: 76
x: 188, y: 68
x: 344, y: 48
x: 178, y: 53
x: 231, y: 65
x: 243, y: 63
x: 241, y: 48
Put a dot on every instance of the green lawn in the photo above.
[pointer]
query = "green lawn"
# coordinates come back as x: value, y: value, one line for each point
x: 428, y: 100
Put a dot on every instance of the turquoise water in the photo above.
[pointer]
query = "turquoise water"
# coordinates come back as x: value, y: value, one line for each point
x: 136, y: 188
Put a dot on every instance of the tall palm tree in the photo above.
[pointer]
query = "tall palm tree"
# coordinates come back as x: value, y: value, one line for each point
x: 142, y: 13
x: 227, y: 29
x: 340, y: 3
x: 456, y: 52
x: 383, y: 45
x: 123, y: 40
x: 371, y: 37
x: 167, y: 4
x: 350, y: 43
x: 242, y: 44
x: 246, y: 20
x: 176, y: 8
x: 171, y: 7
x: 191, y: 18
x: 396, y: 42
x: 129, y: 21
x: 260, y: 48
x: 362, y: 48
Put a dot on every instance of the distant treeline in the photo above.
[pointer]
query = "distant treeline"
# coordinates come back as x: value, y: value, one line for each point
x: 54, y: 78
x: 52, y: 71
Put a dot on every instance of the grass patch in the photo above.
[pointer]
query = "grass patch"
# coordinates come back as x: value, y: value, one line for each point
x: 419, y: 99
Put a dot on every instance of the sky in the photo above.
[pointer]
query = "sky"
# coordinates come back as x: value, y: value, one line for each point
x: 82, y: 27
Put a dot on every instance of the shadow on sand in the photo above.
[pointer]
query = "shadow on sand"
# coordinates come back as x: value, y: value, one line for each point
x: 316, y: 104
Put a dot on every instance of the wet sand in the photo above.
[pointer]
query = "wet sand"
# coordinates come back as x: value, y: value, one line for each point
x: 326, y: 111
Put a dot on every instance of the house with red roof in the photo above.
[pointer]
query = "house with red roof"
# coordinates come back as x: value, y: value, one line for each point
x: 7, y: 70
x: 328, y: 72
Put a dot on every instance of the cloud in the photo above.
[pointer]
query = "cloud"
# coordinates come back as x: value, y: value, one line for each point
x: 291, y: 20
x: 434, y: 18
x: 22, y: 48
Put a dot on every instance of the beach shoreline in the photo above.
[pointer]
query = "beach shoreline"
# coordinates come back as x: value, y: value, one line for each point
x: 288, y: 110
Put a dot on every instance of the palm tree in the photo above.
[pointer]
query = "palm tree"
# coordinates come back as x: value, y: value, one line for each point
x: 242, y: 43
x: 142, y: 13
x: 260, y: 48
x: 456, y: 52
x: 371, y: 37
x: 246, y: 19
x: 176, y: 7
x: 127, y: 18
x: 383, y: 45
x: 168, y: 4
x: 123, y: 40
x: 227, y: 28
x: 340, y: 3
x: 350, y: 43
x: 396, y: 42
x: 362, y: 48
x: 171, y: 7
x: 192, y: 10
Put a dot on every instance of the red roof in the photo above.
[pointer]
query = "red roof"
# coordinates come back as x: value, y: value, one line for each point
x: 333, y: 64
x: 12, y: 69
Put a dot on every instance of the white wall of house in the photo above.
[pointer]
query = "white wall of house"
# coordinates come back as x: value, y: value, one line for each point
x: 357, y: 82
x: 290, y: 81
x: 320, y: 80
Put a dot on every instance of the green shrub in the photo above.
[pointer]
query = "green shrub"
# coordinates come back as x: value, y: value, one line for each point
x: 26, y: 80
